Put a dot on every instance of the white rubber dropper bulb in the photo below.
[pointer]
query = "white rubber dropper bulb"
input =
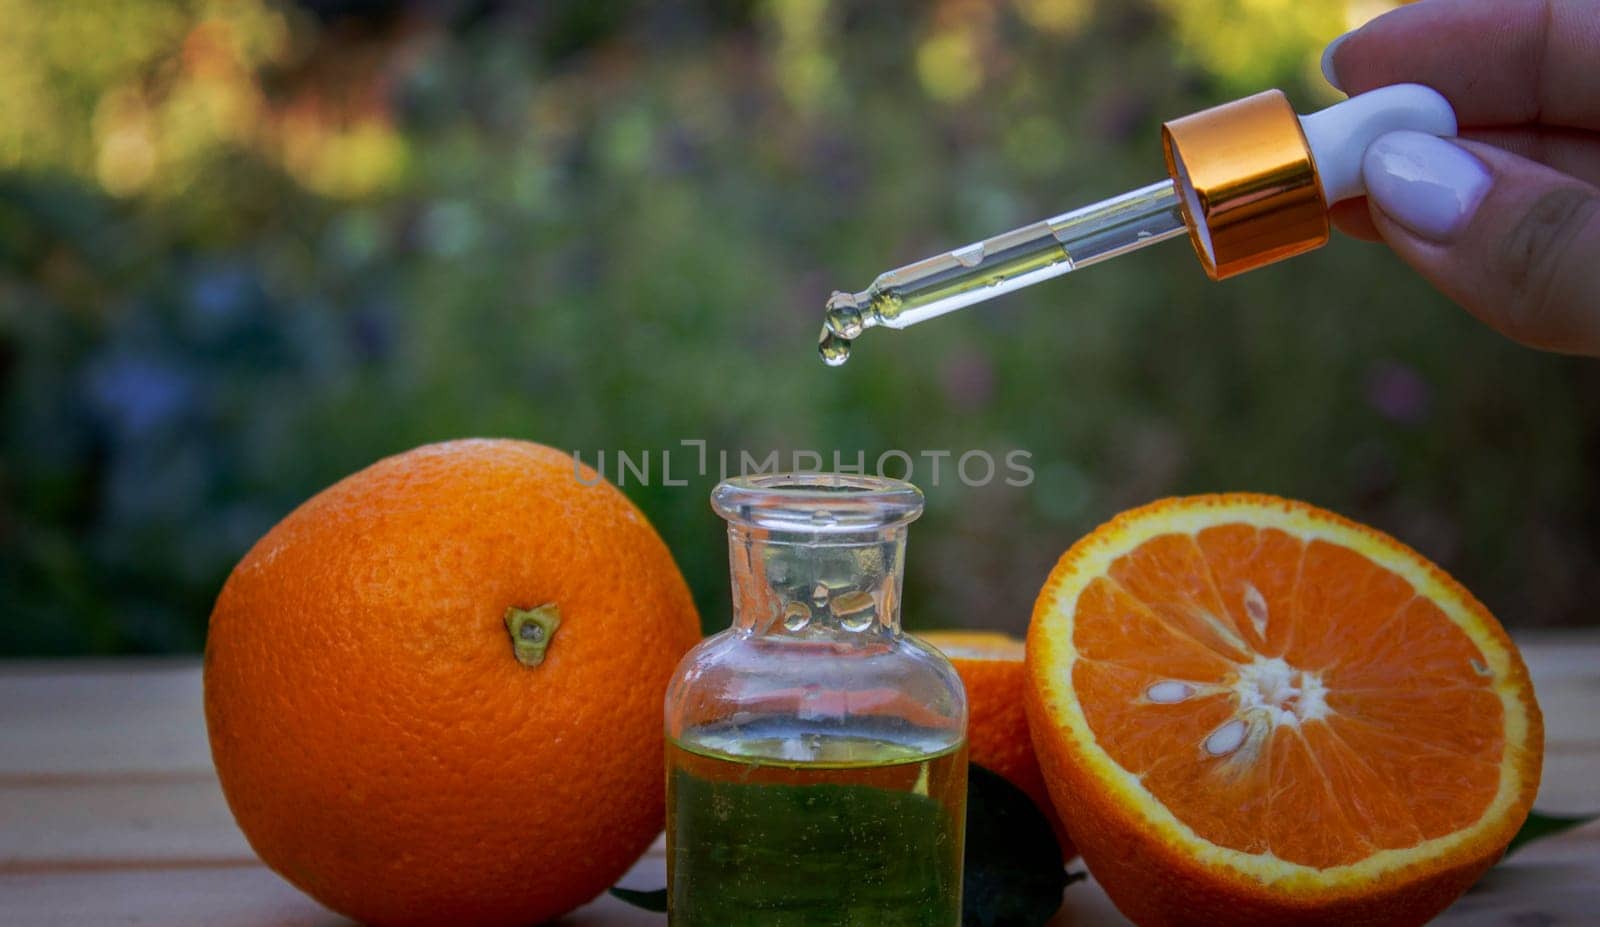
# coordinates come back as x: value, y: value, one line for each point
x: 1340, y: 135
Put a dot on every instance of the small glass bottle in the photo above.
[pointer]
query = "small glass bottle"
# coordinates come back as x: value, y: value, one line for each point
x: 816, y: 755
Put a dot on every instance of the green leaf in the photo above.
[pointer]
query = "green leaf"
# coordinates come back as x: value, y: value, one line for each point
x: 1538, y: 826
x: 1014, y: 875
x: 650, y: 901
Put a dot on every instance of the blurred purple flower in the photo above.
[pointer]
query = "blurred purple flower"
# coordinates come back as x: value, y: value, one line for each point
x: 683, y: 152
x: 218, y: 294
x: 372, y: 330
x: 804, y: 301
x: 968, y: 380
x: 1120, y: 114
x: 840, y: 163
x: 138, y: 394
x: 1398, y: 392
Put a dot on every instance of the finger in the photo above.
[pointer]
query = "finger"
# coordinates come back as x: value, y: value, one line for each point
x: 1352, y: 218
x: 1498, y: 62
x: 1514, y: 242
x: 1571, y: 151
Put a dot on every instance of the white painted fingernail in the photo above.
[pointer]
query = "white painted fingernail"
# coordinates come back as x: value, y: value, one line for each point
x: 1328, y: 72
x: 1426, y: 184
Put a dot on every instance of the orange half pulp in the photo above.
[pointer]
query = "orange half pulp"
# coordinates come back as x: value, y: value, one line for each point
x: 1250, y: 710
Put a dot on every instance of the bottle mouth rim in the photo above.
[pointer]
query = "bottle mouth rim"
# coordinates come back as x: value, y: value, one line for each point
x: 817, y: 502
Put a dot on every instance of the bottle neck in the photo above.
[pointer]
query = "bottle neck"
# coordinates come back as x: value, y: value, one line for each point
x: 802, y: 585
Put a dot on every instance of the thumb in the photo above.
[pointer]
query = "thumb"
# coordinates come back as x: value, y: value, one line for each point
x: 1514, y: 242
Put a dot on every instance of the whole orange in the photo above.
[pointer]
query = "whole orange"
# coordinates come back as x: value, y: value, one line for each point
x: 992, y: 671
x: 434, y: 690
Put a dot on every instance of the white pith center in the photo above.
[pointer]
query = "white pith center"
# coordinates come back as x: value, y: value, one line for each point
x: 1287, y: 695
x: 1267, y: 693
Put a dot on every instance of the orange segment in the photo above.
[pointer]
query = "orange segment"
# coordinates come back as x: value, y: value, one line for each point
x: 1142, y: 639
x: 1265, y: 713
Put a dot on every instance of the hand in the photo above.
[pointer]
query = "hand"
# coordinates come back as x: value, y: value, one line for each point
x: 1505, y: 220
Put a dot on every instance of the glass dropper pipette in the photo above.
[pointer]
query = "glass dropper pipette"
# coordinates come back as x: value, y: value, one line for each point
x: 1009, y: 261
x: 1250, y: 183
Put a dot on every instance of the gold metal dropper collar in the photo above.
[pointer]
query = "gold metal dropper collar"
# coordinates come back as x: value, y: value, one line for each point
x: 1251, y: 195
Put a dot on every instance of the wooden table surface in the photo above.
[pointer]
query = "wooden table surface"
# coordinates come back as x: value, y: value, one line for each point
x: 110, y: 811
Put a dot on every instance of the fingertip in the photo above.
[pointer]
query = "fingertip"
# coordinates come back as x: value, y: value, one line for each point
x: 1330, y: 71
x: 1427, y: 184
x: 1519, y: 254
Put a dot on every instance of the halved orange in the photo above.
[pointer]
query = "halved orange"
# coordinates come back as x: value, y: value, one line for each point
x: 1252, y: 711
x: 990, y: 664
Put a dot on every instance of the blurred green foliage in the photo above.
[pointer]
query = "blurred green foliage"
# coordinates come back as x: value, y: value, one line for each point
x: 248, y: 248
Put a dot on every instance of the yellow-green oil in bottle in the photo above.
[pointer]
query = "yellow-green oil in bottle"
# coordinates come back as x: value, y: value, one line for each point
x: 860, y: 832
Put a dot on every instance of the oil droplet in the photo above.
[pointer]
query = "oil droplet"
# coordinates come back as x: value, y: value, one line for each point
x: 854, y: 610
x: 856, y: 623
x: 833, y: 349
x: 842, y: 315
x: 796, y: 616
x: 1169, y: 692
x: 1227, y: 738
